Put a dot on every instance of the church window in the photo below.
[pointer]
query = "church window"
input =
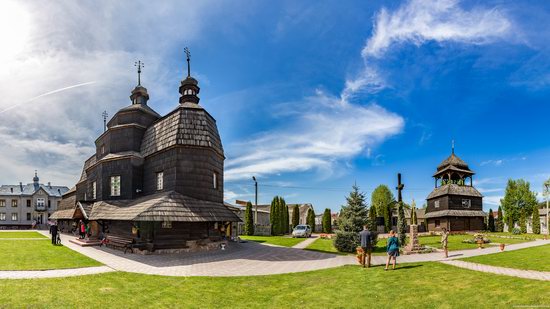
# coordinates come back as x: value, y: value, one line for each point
x: 160, y: 180
x: 437, y: 223
x: 215, y: 180
x: 94, y: 190
x: 115, y: 185
x: 14, y: 216
x: 28, y: 216
x: 436, y: 204
x: 13, y: 203
x: 466, y: 203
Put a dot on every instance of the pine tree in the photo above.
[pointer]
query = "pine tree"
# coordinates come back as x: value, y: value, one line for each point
x: 327, y: 224
x: 351, y: 220
x: 536, y: 221
x: 248, y: 221
x: 523, y: 223
x: 295, y: 216
x: 274, y: 216
x: 401, y: 224
x: 491, y: 221
x: 372, y: 219
x: 382, y: 198
x: 499, y: 223
x: 284, y: 217
x: 311, y: 219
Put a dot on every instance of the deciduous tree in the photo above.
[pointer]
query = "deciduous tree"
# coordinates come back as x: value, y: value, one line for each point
x: 382, y: 198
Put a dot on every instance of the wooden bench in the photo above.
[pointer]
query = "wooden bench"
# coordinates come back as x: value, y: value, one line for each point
x: 126, y: 243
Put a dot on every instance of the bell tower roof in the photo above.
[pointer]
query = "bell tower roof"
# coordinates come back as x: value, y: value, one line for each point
x: 189, y: 88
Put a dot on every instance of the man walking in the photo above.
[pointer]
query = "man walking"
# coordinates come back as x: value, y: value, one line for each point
x: 53, y: 231
x: 366, y: 245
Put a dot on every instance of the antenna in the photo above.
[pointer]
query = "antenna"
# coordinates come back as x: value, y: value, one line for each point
x: 105, y: 115
x: 188, y: 54
x: 139, y: 65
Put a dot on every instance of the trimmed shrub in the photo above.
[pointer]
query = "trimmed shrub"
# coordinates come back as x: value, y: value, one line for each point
x: 327, y: 224
x: 491, y: 221
x: 346, y: 241
x: 295, y: 216
x: 536, y: 221
x: 311, y: 219
x: 516, y: 231
x: 248, y: 220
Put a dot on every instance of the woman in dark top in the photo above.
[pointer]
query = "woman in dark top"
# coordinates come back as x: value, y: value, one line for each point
x: 392, y: 248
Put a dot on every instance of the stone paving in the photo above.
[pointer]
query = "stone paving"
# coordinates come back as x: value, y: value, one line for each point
x: 239, y: 259
x: 527, y: 274
x: 306, y: 242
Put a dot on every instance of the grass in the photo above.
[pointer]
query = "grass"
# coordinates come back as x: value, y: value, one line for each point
x: 455, y: 241
x: 40, y: 255
x: 21, y: 235
x: 526, y: 236
x: 534, y: 258
x: 435, y: 285
x: 284, y: 241
x: 325, y: 246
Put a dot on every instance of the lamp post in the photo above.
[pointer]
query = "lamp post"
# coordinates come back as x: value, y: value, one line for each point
x: 546, y: 190
x: 255, y: 200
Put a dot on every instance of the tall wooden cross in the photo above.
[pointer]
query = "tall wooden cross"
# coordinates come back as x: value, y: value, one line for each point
x: 399, y: 188
x: 139, y: 65
x: 188, y: 54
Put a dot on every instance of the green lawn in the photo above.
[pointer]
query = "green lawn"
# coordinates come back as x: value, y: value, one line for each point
x: 526, y: 236
x: 39, y: 255
x: 324, y: 245
x: 427, y: 285
x: 284, y: 241
x: 21, y: 235
x: 455, y: 241
x: 534, y: 258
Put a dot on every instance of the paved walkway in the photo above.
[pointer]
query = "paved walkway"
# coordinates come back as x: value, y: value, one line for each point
x: 527, y: 274
x: 239, y: 259
x: 306, y: 242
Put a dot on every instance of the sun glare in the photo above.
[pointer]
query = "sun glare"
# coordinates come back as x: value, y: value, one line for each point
x: 14, y: 30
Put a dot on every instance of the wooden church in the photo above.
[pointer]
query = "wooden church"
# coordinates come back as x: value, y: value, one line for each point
x: 454, y: 204
x: 155, y: 182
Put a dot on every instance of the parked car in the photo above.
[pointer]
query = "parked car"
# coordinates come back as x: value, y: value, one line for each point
x: 301, y: 230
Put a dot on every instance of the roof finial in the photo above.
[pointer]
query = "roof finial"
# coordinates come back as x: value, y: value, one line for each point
x: 105, y: 115
x: 188, y: 54
x: 453, y: 146
x: 35, y: 173
x: 139, y: 65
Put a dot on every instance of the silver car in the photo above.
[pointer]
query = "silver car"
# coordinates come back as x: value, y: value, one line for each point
x: 301, y: 230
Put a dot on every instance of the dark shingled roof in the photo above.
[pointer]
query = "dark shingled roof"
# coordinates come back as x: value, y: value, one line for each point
x: 453, y: 160
x: 454, y: 189
x: 165, y: 206
x: 141, y: 107
x: 63, y: 214
x: 456, y: 213
x: 188, y: 125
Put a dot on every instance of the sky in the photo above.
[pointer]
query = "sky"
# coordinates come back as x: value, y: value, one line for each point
x: 310, y: 97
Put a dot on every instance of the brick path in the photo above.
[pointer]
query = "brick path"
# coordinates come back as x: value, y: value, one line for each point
x: 527, y: 274
x: 240, y: 259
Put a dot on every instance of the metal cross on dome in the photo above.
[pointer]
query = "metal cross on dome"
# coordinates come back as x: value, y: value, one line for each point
x: 139, y: 65
x: 188, y: 54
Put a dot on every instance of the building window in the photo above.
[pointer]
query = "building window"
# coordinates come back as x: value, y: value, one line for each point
x: 115, y: 185
x: 94, y: 190
x: 13, y: 203
x: 160, y: 180
x: 215, y: 180
x: 166, y: 224
x: 436, y: 204
x: 40, y: 204
x: 49, y: 204
x: 14, y: 216
x: 2, y: 203
x: 466, y: 203
x: 102, y: 149
x: 28, y: 203
x: 437, y: 223
x: 28, y: 216
x: 2, y: 216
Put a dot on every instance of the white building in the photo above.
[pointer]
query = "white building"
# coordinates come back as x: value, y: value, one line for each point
x: 21, y: 205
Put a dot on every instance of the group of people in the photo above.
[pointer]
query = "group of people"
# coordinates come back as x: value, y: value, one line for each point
x: 392, y: 246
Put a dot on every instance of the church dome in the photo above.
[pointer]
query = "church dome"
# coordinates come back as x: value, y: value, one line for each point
x: 453, y: 160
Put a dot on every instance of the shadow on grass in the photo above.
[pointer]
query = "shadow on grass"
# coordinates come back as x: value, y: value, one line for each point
x: 328, y: 252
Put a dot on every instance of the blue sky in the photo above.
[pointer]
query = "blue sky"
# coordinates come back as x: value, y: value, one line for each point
x: 309, y: 96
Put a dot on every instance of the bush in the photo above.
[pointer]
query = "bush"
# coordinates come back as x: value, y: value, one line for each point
x: 516, y: 231
x: 347, y: 241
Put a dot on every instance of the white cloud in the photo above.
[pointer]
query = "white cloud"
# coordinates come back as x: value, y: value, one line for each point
x: 420, y: 21
x: 325, y: 130
x: 68, y: 43
x: 492, y: 200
